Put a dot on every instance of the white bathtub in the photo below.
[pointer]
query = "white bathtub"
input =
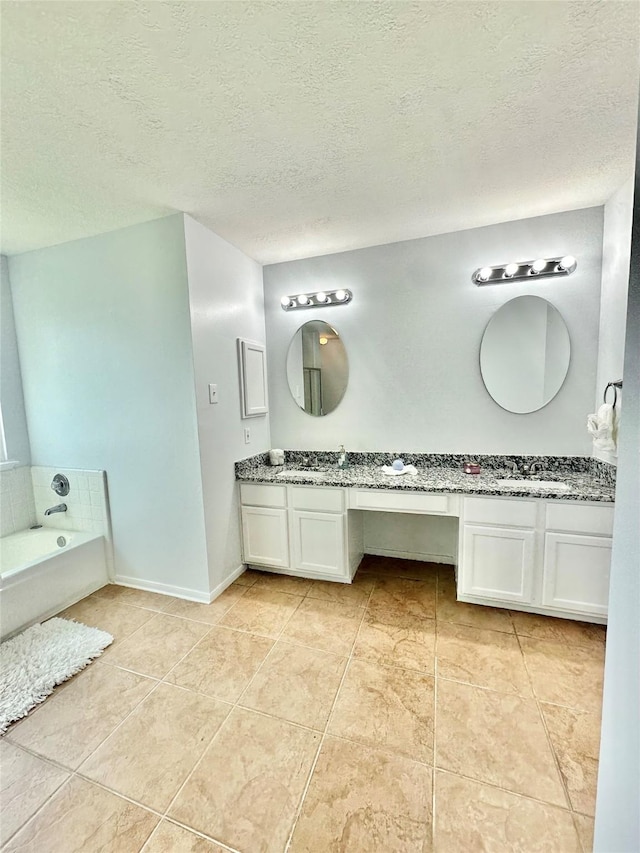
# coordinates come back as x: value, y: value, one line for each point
x: 43, y: 571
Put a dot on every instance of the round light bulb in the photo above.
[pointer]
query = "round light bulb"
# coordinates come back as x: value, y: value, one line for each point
x: 341, y: 295
x: 511, y: 269
x: 485, y: 273
x: 538, y: 266
x: 568, y: 263
x: 323, y: 341
x: 303, y: 299
x: 285, y: 302
x: 321, y: 296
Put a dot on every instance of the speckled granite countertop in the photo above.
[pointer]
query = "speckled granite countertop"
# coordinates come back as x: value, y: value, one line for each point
x: 587, y: 479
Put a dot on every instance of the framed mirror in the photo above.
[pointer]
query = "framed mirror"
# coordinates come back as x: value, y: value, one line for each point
x: 317, y: 368
x: 525, y: 354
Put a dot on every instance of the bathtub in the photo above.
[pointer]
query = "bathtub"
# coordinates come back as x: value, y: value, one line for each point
x: 43, y: 571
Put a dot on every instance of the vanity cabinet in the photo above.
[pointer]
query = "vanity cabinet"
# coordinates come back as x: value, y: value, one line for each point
x: 297, y: 529
x: 532, y: 554
x: 544, y: 556
x: 265, y: 529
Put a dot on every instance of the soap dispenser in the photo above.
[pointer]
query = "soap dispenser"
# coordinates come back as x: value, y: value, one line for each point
x: 342, y: 458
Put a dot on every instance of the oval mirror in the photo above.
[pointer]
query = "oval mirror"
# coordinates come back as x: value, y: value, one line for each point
x: 525, y: 353
x: 317, y: 368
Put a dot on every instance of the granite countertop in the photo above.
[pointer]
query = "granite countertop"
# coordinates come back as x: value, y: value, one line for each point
x: 586, y: 481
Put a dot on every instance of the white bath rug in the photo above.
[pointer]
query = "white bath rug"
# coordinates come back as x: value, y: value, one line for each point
x: 41, y: 657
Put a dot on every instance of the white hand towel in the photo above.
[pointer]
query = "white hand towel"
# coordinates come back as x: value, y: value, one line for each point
x: 408, y: 469
x: 603, y: 427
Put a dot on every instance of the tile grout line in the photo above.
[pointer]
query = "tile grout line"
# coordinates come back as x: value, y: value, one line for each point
x: 314, y: 763
x: 556, y: 762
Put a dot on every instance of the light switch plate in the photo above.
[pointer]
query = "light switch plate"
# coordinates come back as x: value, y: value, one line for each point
x: 247, y: 435
x: 213, y: 393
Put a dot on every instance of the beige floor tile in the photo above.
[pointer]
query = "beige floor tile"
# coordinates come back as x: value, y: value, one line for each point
x: 564, y: 674
x: 26, y: 782
x: 283, y: 583
x: 495, y: 738
x: 136, y: 597
x: 362, y: 800
x: 261, y: 611
x: 562, y: 630
x: 83, y: 818
x: 120, y: 620
x: 575, y: 737
x: 486, y: 658
x: 325, y: 625
x: 247, y: 578
x: 169, y: 838
x: 393, y: 567
x: 584, y: 825
x: 157, y: 645
x: 357, y: 592
x: 150, y: 755
x: 474, y: 615
x: 398, y: 640
x: 472, y: 817
x: 388, y: 708
x: 247, y: 787
x: 222, y: 664
x: 296, y: 684
x: 81, y: 714
x: 410, y: 597
x: 209, y: 613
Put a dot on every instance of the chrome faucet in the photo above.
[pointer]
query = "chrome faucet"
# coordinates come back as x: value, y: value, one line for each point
x: 524, y: 468
x: 57, y: 508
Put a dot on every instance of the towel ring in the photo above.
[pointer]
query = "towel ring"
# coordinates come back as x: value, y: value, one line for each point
x: 615, y: 386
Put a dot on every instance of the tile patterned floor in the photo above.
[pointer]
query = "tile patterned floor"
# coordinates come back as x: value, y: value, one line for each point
x: 291, y: 715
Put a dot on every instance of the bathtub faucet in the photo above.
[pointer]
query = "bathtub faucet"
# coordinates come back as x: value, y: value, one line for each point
x: 58, y: 508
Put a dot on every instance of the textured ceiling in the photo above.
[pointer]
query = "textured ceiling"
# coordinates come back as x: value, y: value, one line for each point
x: 301, y: 128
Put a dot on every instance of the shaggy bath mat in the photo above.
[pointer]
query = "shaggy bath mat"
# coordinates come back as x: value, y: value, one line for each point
x: 45, y: 655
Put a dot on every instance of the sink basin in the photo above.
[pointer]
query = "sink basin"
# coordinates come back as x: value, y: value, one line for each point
x: 302, y: 473
x: 534, y: 485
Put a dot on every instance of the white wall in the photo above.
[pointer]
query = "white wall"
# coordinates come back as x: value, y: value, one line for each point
x: 11, y: 398
x: 617, y: 809
x: 616, y: 252
x: 413, y: 334
x: 226, y: 299
x: 105, y: 346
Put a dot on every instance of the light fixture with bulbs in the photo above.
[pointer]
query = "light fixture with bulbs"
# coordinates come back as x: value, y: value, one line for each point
x: 320, y: 299
x: 540, y: 268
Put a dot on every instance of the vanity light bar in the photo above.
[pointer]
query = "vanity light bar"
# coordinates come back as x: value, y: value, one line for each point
x: 540, y: 268
x: 321, y: 299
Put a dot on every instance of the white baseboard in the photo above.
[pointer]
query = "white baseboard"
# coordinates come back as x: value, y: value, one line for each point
x: 218, y: 590
x: 409, y: 555
x: 164, y: 589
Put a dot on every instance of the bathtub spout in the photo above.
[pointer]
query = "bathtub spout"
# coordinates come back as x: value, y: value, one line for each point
x: 58, y: 508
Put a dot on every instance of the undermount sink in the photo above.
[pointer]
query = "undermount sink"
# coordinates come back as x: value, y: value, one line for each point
x: 302, y: 473
x: 533, y: 485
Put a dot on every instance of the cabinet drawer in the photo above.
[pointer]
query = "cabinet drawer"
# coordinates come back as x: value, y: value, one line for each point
x: 400, y: 501
x: 324, y: 500
x: 503, y: 512
x: 258, y: 495
x: 580, y: 519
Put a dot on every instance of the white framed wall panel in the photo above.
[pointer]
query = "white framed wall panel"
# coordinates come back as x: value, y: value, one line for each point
x: 576, y: 572
x: 253, y: 378
x: 265, y: 536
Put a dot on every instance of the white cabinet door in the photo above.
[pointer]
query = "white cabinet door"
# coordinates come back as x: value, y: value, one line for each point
x: 265, y: 536
x: 318, y: 543
x: 576, y: 573
x: 497, y: 563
